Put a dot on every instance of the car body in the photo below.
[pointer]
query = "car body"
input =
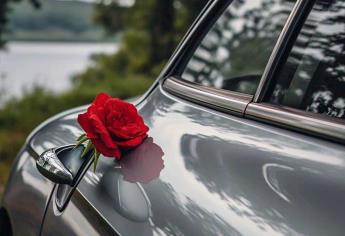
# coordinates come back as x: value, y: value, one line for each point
x: 217, y: 161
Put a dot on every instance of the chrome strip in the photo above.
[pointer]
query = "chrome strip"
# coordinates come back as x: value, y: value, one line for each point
x: 298, y: 120
x: 211, y: 97
x: 279, y: 48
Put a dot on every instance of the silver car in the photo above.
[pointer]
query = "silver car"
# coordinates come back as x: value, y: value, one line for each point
x: 246, y: 137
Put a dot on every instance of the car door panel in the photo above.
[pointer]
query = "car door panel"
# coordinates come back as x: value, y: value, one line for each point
x: 222, y: 175
x: 28, y: 193
x: 27, y: 201
x: 79, y: 218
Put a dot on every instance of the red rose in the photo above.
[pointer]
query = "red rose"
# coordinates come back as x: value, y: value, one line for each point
x: 113, y: 125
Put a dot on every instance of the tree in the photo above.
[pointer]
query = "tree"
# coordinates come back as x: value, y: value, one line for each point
x: 4, y: 10
x: 151, y: 29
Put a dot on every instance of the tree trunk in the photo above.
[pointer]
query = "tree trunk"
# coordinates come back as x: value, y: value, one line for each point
x: 162, y: 31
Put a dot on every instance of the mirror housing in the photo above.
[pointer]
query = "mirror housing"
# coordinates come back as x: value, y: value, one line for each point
x: 63, y: 165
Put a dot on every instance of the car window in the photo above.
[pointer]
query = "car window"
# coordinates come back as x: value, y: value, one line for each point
x: 234, y: 53
x: 313, y: 76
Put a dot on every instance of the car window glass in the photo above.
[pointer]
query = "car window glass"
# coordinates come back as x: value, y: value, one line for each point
x: 313, y: 77
x: 234, y: 53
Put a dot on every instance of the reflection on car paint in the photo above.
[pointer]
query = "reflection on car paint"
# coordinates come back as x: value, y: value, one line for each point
x: 269, y: 172
x: 213, y: 173
x: 143, y: 164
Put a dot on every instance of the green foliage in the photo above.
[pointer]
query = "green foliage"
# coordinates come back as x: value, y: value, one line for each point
x: 111, y: 16
x: 151, y: 30
x: 136, y: 48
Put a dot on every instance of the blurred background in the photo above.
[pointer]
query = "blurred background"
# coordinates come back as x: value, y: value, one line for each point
x: 58, y: 54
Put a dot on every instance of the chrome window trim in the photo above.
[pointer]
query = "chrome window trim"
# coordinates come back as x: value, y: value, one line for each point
x: 251, y: 107
x: 296, y: 14
x: 217, y: 99
x: 306, y: 122
x: 225, y: 100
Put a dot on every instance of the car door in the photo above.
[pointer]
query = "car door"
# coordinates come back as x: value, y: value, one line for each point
x: 210, y: 166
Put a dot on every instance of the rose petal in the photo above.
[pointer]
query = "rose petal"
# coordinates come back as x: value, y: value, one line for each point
x: 128, y: 130
x: 101, y: 99
x: 84, y: 122
x: 132, y: 142
x: 106, y: 151
x: 99, y: 128
x: 113, y: 124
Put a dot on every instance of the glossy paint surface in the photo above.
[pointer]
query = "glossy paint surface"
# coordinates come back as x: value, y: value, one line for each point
x: 27, y: 192
x: 200, y: 172
x: 26, y: 196
x: 221, y: 175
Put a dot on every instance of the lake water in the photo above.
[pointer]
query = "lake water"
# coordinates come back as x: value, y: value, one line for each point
x: 50, y: 65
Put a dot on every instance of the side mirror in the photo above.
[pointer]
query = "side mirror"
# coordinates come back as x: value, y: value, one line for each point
x: 63, y: 165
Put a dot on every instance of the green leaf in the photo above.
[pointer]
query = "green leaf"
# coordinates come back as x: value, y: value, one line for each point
x: 88, y: 147
x: 82, y: 140
x: 95, y: 160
